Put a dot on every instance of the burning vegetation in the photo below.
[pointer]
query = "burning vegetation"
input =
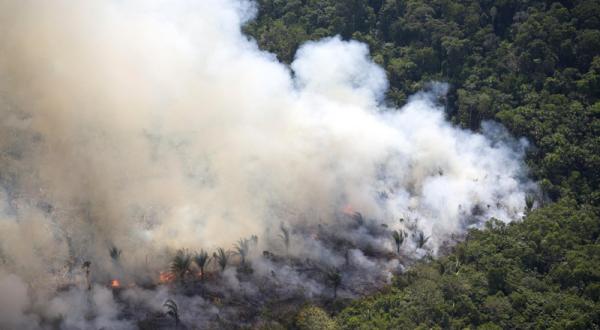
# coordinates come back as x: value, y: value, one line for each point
x: 165, y: 172
x: 115, y: 284
x: 323, y: 264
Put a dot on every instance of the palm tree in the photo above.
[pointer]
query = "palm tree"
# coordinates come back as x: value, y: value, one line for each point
x: 86, y: 266
x: 421, y: 239
x: 172, y: 310
x: 180, y: 265
x: 202, y: 259
x: 334, y: 277
x: 115, y: 253
x: 242, y: 247
x: 398, y: 236
x: 529, y: 201
x: 222, y: 258
x: 285, y: 236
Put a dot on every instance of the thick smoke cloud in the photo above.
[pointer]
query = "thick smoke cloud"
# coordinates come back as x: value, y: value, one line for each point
x: 155, y: 125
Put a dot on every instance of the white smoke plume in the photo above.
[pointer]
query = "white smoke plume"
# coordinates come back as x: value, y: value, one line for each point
x: 155, y: 125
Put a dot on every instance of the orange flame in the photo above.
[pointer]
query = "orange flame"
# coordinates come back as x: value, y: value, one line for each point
x: 348, y: 210
x: 165, y: 277
x: 115, y: 283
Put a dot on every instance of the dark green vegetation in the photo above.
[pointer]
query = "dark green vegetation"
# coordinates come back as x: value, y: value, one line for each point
x: 534, y: 66
x: 541, y: 273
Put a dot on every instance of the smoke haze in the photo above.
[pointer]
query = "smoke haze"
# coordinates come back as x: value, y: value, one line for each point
x: 155, y: 125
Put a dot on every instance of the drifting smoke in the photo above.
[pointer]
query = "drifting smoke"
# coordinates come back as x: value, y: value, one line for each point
x: 154, y: 125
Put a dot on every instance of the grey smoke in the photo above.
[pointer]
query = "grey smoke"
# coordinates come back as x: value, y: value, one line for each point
x: 156, y: 125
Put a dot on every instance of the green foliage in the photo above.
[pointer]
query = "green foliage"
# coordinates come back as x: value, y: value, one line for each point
x: 315, y: 318
x: 532, y: 65
x: 529, y: 202
x: 540, y: 273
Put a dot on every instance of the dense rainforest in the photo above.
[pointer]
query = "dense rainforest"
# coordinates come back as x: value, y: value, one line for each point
x: 533, y: 66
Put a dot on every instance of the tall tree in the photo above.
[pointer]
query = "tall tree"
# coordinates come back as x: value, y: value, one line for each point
x: 201, y: 259
x: 180, y: 265
x: 222, y: 258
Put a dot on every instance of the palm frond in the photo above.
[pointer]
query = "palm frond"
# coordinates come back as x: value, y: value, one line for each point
x: 222, y: 258
x: 529, y: 202
x: 398, y: 236
x: 241, y: 248
x: 181, y: 264
x: 421, y: 239
x: 172, y: 310
x: 201, y: 259
x: 115, y: 253
x: 285, y: 236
